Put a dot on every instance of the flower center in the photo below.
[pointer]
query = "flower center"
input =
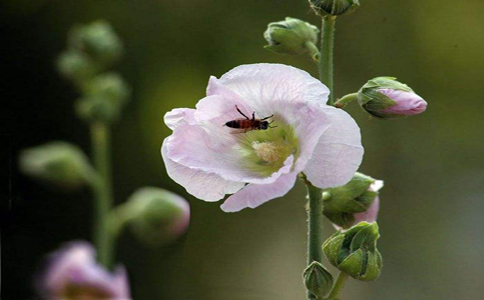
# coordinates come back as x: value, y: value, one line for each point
x: 267, y: 151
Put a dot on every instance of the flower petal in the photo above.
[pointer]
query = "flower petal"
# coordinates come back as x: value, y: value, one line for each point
x: 408, y: 103
x: 254, y: 195
x: 192, y: 146
x: 259, y: 83
x: 338, y: 154
x: 370, y: 215
x: 179, y: 116
x: 204, y: 186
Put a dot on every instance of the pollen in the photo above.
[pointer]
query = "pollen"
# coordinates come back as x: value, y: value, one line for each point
x: 267, y: 151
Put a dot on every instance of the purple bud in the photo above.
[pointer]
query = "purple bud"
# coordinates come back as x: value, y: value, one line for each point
x: 407, y: 103
x: 72, y: 273
x: 387, y: 98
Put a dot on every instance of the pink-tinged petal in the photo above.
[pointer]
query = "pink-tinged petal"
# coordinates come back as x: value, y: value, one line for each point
x: 309, y: 122
x: 219, y: 110
x: 408, y: 103
x: 338, y: 154
x: 74, y: 267
x: 205, y: 186
x: 259, y: 83
x: 179, y: 116
x: 121, y: 283
x: 254, y: 195
x: 194, y: 147
x: 73, y: 255
x: 370, y: 215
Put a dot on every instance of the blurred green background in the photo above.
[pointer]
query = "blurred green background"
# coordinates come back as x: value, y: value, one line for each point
x: 433, y: 165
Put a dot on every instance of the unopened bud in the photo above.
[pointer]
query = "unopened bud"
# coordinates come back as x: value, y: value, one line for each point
x: 98, y: 40
x: 353, y: 202
x: 333, y: 7
x: 292, y: 36
x: 76, y: 65
x: 156, y: 216
x: 105, y: 96
x: 58, y: 163
x: 317, y: 279
x: 386, y: 98
x: 354, y: 251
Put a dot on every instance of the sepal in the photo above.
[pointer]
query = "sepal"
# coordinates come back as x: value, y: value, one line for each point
x: 317, y: 279
x: 354, y: 251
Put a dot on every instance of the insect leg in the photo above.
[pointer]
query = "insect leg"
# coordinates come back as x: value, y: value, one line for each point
x: 241, y: 112
x: 267, y: 117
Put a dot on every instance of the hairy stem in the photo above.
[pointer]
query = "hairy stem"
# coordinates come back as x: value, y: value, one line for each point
x: 326, y: 57
x: 315, y: 226
x: 338, y: 286
x: 103, y: 239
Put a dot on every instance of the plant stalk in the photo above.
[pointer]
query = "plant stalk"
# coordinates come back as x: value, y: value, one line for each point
x: 103, y: 201
x: 315, y: 226
x: 326, y: 70
x: 338, y: 286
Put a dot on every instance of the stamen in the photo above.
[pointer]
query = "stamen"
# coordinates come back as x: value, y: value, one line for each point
x: 267, y: 151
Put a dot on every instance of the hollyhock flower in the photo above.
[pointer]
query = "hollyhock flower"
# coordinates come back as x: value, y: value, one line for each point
x: 386, y: 98
x: 73, y: 273
x: 212, y: 160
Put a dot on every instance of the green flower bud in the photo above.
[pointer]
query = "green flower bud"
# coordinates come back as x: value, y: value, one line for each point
x: 98, y: 40
x: 386, y: 98
x: 155, y: 216
x: 104, y: 98
x: 76, y: 65
x: 292, y: 36
x: 333, y: 7
x: 317, y: 279
x: 346, y: 204
x: 354, y: 251
x: 59, y: 163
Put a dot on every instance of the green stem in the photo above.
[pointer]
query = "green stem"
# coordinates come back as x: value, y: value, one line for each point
x: 342, y: 102
x: 313, y: 51
x: 315, y: 226
x: 338, y: 286
x: 326, y: 60
x: 103, y: 239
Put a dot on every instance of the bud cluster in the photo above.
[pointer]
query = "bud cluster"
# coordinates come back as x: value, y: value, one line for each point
x: 91, y: 50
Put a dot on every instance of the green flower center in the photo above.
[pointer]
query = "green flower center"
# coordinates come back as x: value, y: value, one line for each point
x: 264, y: 151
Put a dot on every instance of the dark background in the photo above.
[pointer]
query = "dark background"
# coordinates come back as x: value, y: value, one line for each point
x: 433, y: 165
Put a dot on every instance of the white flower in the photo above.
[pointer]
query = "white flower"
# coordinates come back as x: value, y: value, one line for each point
x: 210, y: 161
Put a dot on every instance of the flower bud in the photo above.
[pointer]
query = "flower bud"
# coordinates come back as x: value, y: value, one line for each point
x: 72, y: 273
x: 58, y: 163
x: 76, y: 65
x: 352, y: 202
x: 156, y: 216
x: 292, y: 36
x: 354, y: 251
x: 334, y: 7
x: 317, y: 279
x: 98, y: 40
x: 105, y: 96
x: 386, y: 98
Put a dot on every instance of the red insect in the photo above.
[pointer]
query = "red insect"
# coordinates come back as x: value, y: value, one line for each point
x: 246, y: 124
